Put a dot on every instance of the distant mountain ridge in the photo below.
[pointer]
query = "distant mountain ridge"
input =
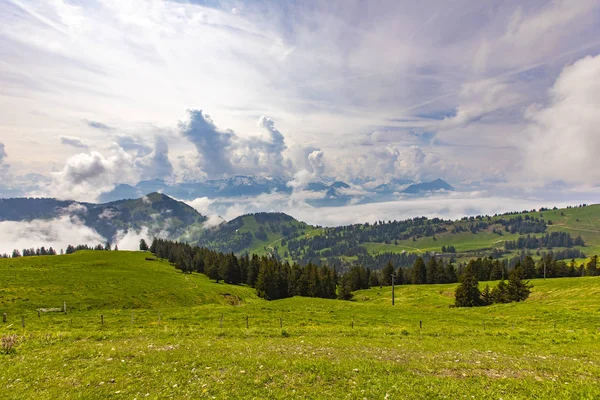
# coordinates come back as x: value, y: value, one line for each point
x: 158, y: 213
x: 333, y: 193
x: 432, y: 186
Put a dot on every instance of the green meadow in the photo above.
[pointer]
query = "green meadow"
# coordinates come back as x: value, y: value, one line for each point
x: 137, y: 329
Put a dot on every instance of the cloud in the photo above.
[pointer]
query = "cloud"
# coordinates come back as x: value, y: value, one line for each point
x: 73, y: 141
x: 157, y: 163
x: 85, y: 176
x: 73, y: 209
x: 3, y: 154
x: 108, y: 214
x: 212, y: 144
x: 223, y: 152
x: 136, y: 145
x: 563, y: 138
x: 57, y: 233
x: 100, y: 126
x: 325, y: 76
x: 478, y: 99
x: 204, y: 206
x: 130, y: 239
x: 3, y: 165
x: 315, y: 159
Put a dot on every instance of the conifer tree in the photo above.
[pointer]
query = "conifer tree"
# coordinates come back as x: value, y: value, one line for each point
x: 386, y: 274
x: 419, y: 271
x: 517, y: 289
x: 467, y: 294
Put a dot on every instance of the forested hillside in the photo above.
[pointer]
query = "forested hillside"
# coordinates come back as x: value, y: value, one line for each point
x: 565, y: 234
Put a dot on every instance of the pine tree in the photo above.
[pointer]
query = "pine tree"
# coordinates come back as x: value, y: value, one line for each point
x: 500, y: 293
x: 517, y: 289
x: 212, y: 270
x: 467, y: 294
x: 399, y: 280
x: 433, y: 271
x: 143, y: 245
x: 345, y: 288
x: 419, y: 271
x: 386, y: 274
x: 486, y: 296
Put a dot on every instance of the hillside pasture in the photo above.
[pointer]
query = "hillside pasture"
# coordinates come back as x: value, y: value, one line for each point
x: 184, y: 339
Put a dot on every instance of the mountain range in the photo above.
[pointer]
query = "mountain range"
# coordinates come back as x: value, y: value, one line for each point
x: 336, y: 193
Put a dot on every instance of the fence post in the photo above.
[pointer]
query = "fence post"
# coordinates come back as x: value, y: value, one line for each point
x: 280, y: 323
x: 246, y: 322
x: 420, y: 324
x: 64, y: 306
x: 39, y: 314
x: 22, y: 321
x: 4, y: 316
x: 159, y: 317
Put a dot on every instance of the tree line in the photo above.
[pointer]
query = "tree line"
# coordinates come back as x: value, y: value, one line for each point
x: 43, y: 251
x: 271, y: 278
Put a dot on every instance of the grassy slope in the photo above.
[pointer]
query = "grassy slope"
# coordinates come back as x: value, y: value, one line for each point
x: 317, y: 354
x: 104, y: 279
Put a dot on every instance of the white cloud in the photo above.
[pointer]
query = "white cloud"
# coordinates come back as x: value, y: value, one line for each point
x: 86, y: 176
x: 130, y: 239
x: 563, y: 138
x: 57, y: 233
x: 479, y: 98
x: 73, y: 209
x: 108, y: 214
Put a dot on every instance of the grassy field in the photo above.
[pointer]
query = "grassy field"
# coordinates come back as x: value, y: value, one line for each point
x: 201, y: 347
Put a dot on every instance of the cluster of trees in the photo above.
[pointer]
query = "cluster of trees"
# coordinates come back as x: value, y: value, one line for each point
x: 549, y: 240
x: 40, y: 251
x: 549, y: 267
x: 448, y: 249
x: 107, y: 247
x: 272, y: 278
x: 467, y: 294
x: 43, y: 251
x: 523, y: 224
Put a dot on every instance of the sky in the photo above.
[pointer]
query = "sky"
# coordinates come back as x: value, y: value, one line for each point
x: 498, y: 98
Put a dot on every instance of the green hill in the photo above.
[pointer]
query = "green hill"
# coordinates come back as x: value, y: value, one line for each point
x: 259, y: 233
x: 91, y: 280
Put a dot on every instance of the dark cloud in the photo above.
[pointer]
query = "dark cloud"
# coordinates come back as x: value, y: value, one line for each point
x: 100, y: 126
x: 213, y: 145
x: 73, y: 141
